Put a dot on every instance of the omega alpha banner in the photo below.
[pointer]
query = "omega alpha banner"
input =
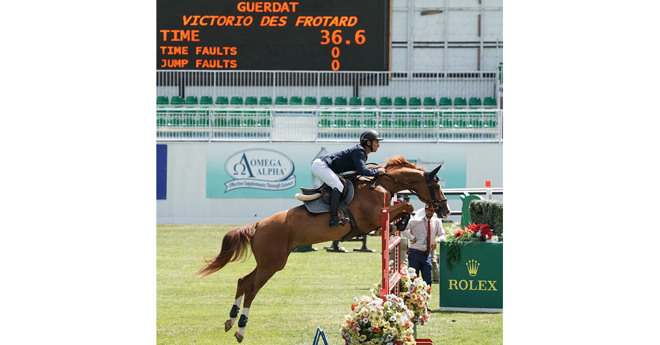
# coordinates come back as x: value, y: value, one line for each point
x: 260, y: 169
x: 250, y: 173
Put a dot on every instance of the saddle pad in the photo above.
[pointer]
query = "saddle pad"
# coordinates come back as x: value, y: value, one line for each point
x: 318, y: 206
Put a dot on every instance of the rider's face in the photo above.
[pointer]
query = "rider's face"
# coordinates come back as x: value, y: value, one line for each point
x: 375, y: 144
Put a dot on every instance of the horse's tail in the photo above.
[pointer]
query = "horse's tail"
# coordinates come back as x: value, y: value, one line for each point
x: 234, y: 248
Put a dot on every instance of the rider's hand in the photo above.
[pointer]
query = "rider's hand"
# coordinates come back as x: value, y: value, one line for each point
x: 381, y: 171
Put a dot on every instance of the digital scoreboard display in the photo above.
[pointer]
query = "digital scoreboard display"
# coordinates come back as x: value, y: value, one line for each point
x: 304, y: 35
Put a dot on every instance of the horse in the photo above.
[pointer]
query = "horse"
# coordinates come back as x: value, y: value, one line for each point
x: 274, y: 238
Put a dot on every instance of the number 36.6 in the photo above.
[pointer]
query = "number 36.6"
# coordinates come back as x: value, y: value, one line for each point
x: 336, y: 38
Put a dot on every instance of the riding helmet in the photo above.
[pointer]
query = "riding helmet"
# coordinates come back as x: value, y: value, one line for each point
x: 369, y: 135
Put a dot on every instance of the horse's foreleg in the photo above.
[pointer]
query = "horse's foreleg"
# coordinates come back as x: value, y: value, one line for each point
x: 243, y: 283
x: 397, y: 210
x: 262, y: 276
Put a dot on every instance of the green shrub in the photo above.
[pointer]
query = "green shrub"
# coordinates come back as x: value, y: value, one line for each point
x: 489, y: 212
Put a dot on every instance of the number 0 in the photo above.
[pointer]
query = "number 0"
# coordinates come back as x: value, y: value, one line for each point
x: 335, y: 65
x: 335, y: 52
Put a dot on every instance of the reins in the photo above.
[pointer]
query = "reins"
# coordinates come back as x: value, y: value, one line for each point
x: 429, y: 181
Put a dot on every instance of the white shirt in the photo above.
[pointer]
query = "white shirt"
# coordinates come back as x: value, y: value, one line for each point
x: 416, y: 229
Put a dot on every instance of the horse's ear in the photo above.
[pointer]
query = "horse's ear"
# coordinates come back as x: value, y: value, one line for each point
x: 435, y: 171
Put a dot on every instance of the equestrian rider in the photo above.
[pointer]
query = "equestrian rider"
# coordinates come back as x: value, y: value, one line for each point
x: 326, y: 168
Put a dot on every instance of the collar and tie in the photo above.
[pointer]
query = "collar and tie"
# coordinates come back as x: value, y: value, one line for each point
x: 428, y: 236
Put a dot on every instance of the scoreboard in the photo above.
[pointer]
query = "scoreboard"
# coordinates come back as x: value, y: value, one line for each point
x: 303, y: 35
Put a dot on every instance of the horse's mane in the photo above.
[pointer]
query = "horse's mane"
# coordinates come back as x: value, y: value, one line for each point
x: 398, y: 162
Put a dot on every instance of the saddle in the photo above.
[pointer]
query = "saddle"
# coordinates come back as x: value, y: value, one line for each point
x: 324, y: 192
x: 317, y: 200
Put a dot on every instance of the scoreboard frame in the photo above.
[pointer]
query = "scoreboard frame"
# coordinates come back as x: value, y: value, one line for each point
x: 303, y: 35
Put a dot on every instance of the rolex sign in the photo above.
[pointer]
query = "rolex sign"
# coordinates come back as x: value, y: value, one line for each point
x: 475, y: 282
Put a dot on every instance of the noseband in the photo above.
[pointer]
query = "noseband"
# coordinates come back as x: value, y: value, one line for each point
x: 434, y: 202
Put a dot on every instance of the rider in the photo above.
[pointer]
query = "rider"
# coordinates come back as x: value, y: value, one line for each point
x: 326, y: 168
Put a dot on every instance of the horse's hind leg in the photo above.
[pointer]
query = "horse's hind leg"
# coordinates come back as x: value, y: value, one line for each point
x: 243, y: 283
x: 262, y: 276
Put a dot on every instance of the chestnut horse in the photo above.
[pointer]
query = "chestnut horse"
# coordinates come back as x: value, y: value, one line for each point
x: 273, y: 238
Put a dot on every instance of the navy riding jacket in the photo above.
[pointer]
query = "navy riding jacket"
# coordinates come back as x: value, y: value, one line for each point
x: 353, y: 158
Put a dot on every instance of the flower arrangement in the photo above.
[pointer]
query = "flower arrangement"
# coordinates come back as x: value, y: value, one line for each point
x: 377, y: 321
x: 415, y: 293
x: 470, y: 234
x: 482, y: 231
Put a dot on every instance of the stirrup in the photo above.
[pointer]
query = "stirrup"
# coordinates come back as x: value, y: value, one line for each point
x: 336, y: 221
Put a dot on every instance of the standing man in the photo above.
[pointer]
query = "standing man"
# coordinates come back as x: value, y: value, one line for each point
x: 422, y: 233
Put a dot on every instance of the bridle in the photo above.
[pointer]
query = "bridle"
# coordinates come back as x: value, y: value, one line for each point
x: 434, y: 202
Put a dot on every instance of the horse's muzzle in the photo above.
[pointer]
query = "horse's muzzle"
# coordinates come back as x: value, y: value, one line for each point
x: 443, y: 212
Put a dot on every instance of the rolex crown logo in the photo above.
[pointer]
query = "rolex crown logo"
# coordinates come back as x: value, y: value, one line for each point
x: 472, y: 267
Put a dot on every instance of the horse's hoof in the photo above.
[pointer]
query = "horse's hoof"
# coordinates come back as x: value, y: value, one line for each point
x: 228, y: 325
x: 238, y: 336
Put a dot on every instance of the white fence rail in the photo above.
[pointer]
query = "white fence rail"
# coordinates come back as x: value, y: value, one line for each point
x: 313, y: 124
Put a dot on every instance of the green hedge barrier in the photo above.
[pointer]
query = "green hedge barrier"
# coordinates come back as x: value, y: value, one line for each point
x: 489, y: 212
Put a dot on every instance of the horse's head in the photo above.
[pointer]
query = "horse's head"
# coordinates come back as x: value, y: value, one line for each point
x: 437, y: 199
x: 423, y: 183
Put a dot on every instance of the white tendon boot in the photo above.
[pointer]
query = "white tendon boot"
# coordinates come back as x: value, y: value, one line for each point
x: 233, y: 314
x: 241, y: 324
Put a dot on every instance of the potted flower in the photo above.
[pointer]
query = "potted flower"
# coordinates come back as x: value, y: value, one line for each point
x: 376, y: 321
x: 416, y: 294
x: 473, y: 233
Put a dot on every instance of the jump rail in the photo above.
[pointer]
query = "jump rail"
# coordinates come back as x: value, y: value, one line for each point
x: 389, y: 284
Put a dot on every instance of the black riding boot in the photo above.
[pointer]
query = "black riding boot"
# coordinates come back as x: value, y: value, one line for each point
x: 334, y: 204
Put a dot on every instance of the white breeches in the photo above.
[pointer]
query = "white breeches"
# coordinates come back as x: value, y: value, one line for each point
x: 325, y: 174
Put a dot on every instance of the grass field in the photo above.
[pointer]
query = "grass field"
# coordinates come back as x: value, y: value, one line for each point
x: 315, y: 289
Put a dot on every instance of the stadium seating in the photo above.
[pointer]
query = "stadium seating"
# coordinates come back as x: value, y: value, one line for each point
x: 251, y: 100
x: 177, y: 100
x: 264, y: 122
x: 490, y: 102
x: 400, y: 102
x: 325, y: 122
x: 341, y: 101
x: 385, y: 102
x: 474, y: 101
x: 265, y: 100
x: 430, y: 102
x: 355, y: 101
x: 393, y: 118
x: 161, y: 101
x: 309, y: 100
x: 281, y: 100
x: 325, y: 100
x: 236, y: 100
x: 370, y: 101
